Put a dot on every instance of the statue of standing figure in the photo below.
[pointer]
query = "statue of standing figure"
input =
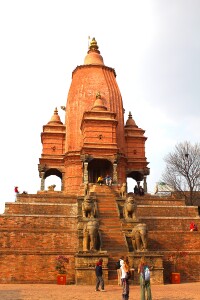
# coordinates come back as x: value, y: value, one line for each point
x: 123, y: 190
x: 90, y: 235
x: 86, y: 189
x: 139, y: 237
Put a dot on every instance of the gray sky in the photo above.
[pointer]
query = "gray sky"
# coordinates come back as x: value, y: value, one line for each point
x: 154, y: 47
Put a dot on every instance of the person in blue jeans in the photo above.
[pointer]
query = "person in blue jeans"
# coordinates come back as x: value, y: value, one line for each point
x: 145, y: 286
x: 108, y: 180
x: 99, y: 276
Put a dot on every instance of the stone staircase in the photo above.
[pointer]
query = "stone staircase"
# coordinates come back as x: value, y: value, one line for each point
x: 110, y: 225
x: 113, y: 239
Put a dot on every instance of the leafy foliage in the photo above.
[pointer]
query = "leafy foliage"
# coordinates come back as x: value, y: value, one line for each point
x: 61, y: 260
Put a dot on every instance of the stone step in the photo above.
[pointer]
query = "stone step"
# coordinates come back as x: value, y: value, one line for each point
x: 166, y: 211
x: 160, y: 201
x: 46, y: 197
x: 183, y: 240
x: 37, y: 221
x: 170, y: 223
x: 37, y: 240
x: 40, y: 208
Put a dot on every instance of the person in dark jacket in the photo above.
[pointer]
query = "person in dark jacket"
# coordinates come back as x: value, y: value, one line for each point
x: 99, y: 276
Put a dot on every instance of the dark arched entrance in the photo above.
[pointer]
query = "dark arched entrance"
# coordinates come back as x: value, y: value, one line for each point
x: 138, y: 176
x: 53, y: 171
x: 99, y: 167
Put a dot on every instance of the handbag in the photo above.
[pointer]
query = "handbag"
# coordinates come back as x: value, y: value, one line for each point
x: 128, y: 275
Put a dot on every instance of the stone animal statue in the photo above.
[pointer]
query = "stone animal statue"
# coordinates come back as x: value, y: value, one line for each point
x: 88, y: 208
x: 123, y: 190
x: 139, y: 237
x: 51, y: 187
x: 130, y: 208
x: 86, y: 189
x: 90, y: 235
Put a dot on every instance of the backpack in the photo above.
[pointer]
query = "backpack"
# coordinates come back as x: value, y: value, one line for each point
x: 146, y: 273
x: 118, y: 264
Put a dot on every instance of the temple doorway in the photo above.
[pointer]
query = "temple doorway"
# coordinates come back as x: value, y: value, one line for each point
x: 99, y: 167
x: 52, y: 177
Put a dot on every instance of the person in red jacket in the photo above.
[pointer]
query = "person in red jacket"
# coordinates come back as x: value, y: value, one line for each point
x: 193, y: 227
x: 99, y: 276
x: 16, y: 192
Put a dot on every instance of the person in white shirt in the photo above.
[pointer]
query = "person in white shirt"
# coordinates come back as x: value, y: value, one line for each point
x: 119, y: 272
x: 125, y: 275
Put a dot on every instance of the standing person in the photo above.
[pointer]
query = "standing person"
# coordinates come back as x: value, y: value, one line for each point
x: 136, y: 190
x: 119, y: 272
x: 145, y: 286
x: 99, y: 275
x: 125, y: 269
x: 16, y: 192
x: 141, y: 191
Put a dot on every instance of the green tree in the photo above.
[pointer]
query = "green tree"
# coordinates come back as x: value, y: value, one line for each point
x: 182, y: 171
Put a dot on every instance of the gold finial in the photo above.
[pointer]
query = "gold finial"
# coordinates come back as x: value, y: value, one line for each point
x: 93, y: 45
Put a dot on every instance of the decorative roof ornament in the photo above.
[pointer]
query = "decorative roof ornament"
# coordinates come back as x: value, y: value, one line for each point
x: 98, y: 104
x: 130, y: 115
x: 130, y: 121
x: 93, y: 45
x: 93, y: 56
x: 55, y: 119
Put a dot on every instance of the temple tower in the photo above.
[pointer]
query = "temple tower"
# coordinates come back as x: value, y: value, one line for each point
x: 94, y: 140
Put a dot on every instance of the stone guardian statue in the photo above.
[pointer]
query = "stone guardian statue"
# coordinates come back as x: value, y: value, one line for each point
x: 139, y: 237
x: 130, y: 208
x: 90, y: 235
x: 89, y: 208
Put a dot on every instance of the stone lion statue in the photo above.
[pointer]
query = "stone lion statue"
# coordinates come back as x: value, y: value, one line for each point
x: 123, y: 190
x: 88, y: 208
x: 51, y: 187
x: 139, y: 237
x: 130, y: 207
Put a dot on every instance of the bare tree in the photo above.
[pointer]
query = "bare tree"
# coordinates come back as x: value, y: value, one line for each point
x: 182, y: 171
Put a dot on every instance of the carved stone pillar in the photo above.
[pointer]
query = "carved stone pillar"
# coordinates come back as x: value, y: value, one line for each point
x: 62, y: 182
x: 85, y: 172
x: 145, y: 184
x: 42, y: 185
x: 115, y: 179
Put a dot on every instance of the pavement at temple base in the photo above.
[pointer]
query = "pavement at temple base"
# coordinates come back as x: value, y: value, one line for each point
x: 184, y: 291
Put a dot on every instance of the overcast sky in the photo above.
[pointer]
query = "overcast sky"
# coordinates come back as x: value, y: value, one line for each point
x: 153, y: 45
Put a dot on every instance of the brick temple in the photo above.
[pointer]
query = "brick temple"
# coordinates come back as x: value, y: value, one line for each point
x: 94, y: 141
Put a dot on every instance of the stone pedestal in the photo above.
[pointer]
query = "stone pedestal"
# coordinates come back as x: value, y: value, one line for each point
x: 153, y: 259
x: 85, y: 263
